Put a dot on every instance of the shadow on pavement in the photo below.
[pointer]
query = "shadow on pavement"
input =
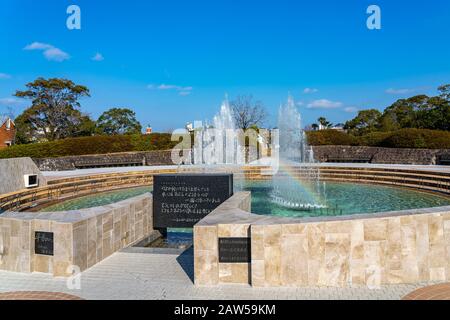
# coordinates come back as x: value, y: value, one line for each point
x: 186, y: 261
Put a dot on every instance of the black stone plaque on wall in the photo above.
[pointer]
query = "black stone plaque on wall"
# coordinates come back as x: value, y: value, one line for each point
x: 235, y: 250
x: 182, y: 200
x: 43, y: 243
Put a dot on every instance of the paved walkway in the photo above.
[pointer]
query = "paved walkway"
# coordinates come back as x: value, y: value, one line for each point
x: 127, y: 275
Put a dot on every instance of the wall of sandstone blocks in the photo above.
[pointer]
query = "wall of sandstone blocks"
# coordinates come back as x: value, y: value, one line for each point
x: 359, y: 252
x: 100, y: 232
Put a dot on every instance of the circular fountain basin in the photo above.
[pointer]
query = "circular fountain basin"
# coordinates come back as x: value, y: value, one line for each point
x: 341, y: 198
x: 337, y: 199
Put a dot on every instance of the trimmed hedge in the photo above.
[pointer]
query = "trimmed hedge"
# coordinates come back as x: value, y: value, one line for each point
x: 331, y: 137
x: 418, y: 138
x: 90, y: 145
x: 404, y: 138
x: 373, y: 139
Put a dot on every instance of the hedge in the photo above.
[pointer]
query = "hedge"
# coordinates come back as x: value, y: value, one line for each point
x: 90, y: 145
x: 331, y: 137
x: 418, y: 138
x: 404, y: 138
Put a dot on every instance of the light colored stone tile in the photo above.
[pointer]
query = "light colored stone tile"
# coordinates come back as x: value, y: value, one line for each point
x: 335, y: 271
x: 258, y: 273
x: 294, y: 260
x: 206, y: 266
x: 272, y: 235
x: 205, y: 238
x: 375, y: 229
x: 272, y: 271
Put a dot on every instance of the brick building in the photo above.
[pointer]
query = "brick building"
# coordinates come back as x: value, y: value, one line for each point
x: 7, y: 132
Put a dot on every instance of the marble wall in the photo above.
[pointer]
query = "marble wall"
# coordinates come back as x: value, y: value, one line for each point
x: 359, y: 252
x: 362, y: 250
x: 81, y: 238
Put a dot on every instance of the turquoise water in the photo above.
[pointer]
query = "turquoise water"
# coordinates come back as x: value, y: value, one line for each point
x: 338, y: 199
x: 97, y: 200
x: 347, y: 198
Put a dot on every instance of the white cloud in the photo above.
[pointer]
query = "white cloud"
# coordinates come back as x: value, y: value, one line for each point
x: 399, y: 91
x: 38, y: 46
x: 50, y: 52
x: 4, y: 76
x: 324, y: 104
x: 55, y: 54
x: 310, y: 90
x: 182, y: 91
x: 167, y: 87
x: 351, y: 109
x: 98, y: 57
x: 9, y: 102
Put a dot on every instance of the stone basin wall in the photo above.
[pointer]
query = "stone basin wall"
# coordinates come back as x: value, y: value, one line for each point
x: 81, y: 238
x: 356, y: 252
x: 361, y: 250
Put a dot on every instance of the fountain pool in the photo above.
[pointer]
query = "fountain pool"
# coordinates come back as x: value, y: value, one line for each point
x: 340, y: 198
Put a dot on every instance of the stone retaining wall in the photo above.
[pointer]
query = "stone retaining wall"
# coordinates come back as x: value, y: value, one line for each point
x: 81, y: 238
x: 321, y: 154
x: 379, y: 155
x: 147, y: 158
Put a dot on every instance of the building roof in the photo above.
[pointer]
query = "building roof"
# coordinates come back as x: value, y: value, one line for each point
x: 4, y: 119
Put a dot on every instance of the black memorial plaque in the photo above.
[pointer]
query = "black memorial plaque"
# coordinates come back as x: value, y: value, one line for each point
x: 182, y: 200
x: 235, y: 250
x: 43, y: 243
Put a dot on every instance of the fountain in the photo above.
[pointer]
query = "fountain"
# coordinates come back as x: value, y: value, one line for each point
x: 219, y: 143
x: 291, y: 190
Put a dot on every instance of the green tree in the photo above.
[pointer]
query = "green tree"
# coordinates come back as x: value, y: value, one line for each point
x: 118, y: 121
x: 445, y: 92
x: 54, y: 112
x: 421, y: 112
x: 324, y: 122
x: 365, y: 122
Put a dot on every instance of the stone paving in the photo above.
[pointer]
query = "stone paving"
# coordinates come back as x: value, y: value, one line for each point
x: 142, y: 275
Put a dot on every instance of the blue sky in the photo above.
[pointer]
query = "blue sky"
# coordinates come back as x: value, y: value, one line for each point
x: 174, y: 61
